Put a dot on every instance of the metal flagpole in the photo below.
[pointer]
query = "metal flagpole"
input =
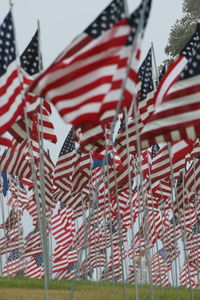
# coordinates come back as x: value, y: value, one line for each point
x: 32, y: 163
x: 195, y: 206
x: 155, y: 66
x: 173, y: 192
x: 41, y: 176
x: 91, y: 213
x: 183, y: 240
x: 106, y: 171
x: 119, y: 223
x: 139, y: 151
x: 153, y: 209
x: 4, y: 227
x: 130, y: 201
x: 144, y: 205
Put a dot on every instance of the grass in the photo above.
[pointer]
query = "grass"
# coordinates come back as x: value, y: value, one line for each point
x: 20, y: 288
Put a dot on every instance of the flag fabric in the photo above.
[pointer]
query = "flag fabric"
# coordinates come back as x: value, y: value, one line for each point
x: 82, y: 77
x: 43, y: 127
x: 19, y: 197
x: 31, y: 64
x: 64, y: 166
x: 126, y: 73
x: 14, y: 162
x: 35, y: 267
x: 78, y: 91
x: 145, y: 87
x: 160, y: 268
x: 32, y: 243
x: 31, y: 60
x: 15, y: 264
x: 11, y: 220
x: 176, y: 115
x: 5, y: 141
x: 11, y: 99
x: 113, y: 13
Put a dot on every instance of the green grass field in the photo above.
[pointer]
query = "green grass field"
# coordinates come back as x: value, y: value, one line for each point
x: 20, y: 288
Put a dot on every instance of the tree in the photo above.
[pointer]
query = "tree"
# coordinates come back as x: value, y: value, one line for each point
x: 192, y: 7
x: 183, y: 29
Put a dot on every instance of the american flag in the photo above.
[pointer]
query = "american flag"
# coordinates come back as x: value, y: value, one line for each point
x: 176, y: 115
x: 82, y: 77
x: 93, y: 260
x: 31, y: 63
x: 65, y: 164
x: 63, y: 262
x: 146, y: 87
x: 161, y: 169
x: 160, y: 267
x: 78, y: 91
x: 105, y: 20
x: 32, y: 244
x: 192, y: 177
x: 11, y: 100
x: 14, y: 162
x: 13, y: 239
x: 81, y: 173
x: 188, y: 276
x: 14, y: 264
x: 43, y: 127
x: 35, y: 268
x: 108, y: 109
x: 63, y: 227
x: 69, y: 273
x: 11, y: 220
x: 31, y: 60
x: 124, y: 75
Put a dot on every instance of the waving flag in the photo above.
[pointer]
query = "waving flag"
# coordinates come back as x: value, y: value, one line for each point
x: 176, y: 115
x: 146, y: 87
x: 78, y: 85
x: 11, y: 102
x: 35, y: 267
x: 64, y: 166
x: 31, y: 57
x: 14, y: 264
x: 106, y: 19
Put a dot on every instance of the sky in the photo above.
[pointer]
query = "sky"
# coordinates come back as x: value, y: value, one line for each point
x: 62, y: 20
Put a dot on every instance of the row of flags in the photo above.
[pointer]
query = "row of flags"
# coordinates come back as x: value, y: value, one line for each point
x: 131, y: 156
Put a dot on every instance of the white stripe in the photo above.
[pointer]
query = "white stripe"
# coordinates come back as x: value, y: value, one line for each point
x: 172, y: 120
x: 169, y: 79
x: 82, y: 111
x: 99, y: 90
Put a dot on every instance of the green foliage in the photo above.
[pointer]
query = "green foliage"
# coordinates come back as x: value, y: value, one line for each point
x: 183, y: 29
x: 192, y: 7
x: 180, y: 34
x: 25, y: 288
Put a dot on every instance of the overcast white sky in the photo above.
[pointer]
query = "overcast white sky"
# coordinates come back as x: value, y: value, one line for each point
x: 62, y: 20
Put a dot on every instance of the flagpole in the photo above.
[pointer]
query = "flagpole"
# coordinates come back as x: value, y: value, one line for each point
x: 106, y: 171
x: 125, y: 3
x: 183, y: 241
x: 195, y: 206
x: 174, y: 195
x: 41, y: 175
x: 119, y: 222
x: 19, y: 221
x: 4, y: 227
x: 153, y: 207
x: 129, y: 175
x: 155, y: 66
x: 130, y: 200
x: 31, y: 155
